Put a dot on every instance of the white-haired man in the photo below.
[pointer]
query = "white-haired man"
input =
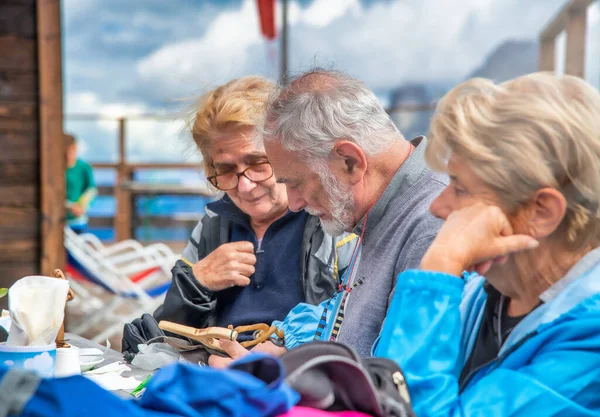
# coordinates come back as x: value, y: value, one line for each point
x: 342, y: 159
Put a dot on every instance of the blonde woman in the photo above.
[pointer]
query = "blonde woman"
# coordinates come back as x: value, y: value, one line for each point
x: 249, y: 260
x: 522, y: 210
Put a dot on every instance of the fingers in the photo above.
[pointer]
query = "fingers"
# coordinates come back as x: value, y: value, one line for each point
x: 240, y: 281
x: 245, y: 270
x: 218, y: 362
x: 507, y: 245
x: 233, y: 349
x: 246, y: 258
x: 243, y: 247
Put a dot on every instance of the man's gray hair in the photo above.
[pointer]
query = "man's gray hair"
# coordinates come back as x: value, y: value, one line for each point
x: 320, y: 107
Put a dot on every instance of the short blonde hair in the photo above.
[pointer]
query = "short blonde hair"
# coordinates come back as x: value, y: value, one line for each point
x: 539, y: 130
x: 231, y: 107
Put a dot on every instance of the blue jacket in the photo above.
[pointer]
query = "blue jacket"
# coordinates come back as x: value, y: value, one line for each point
x: 548, y: 366
x: 253, y: 386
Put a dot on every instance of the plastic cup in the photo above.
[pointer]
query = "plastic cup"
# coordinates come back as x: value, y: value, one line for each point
x: 41, y: 359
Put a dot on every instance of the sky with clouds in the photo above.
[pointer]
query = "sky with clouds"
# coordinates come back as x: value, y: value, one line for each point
x: 142, y: 56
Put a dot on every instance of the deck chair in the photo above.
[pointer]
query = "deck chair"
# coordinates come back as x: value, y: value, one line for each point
x: 137, y: 277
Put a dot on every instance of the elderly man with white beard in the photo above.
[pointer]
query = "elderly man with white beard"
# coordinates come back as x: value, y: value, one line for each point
x: 342, y: 159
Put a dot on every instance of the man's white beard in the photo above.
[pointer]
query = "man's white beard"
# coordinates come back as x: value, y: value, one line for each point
x: 341, y: 204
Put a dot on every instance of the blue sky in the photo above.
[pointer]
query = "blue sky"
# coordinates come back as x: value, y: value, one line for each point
x: 141, y: 56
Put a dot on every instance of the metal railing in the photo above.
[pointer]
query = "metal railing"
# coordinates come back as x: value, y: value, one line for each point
x: 126, y: 191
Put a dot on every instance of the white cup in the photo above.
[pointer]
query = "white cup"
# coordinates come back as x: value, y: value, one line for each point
x: 67, y: 362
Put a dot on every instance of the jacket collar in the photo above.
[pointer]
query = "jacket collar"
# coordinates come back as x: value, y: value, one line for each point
x: 226, y: 208
x: 402, y: 180
x: 582, y: 282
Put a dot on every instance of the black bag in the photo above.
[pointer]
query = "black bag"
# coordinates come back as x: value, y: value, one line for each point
x: 145, y: 330
x: 139, y: 331
x: 331, y: 376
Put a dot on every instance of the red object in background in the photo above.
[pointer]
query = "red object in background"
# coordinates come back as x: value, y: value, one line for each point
x: 266, y: 14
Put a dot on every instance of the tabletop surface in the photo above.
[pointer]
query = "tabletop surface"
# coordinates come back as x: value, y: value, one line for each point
x: 109, y: 357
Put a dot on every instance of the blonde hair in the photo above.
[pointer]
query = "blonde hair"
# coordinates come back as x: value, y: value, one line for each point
x: 231, y: 107
x: 539, y: 130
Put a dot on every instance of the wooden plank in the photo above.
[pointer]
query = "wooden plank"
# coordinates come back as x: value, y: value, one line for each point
x: 19, y: 251
x: 547, y: 55
x: 13, y: 219
x: 52, y: 144
x: 18, y: 19
x: 10, y: 272
x: 19, y: 195
x: 18, y: 86
x: 17, y: 53
x: 559, y: 21
x: 123, y: 225
x: 15, y: 173
x: 17, y: 126
x: 19, y: 146
x: 18, y: 110
x: 576, y: 34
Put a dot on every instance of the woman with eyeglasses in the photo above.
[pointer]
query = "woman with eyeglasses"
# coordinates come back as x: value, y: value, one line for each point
x: 249, y: 260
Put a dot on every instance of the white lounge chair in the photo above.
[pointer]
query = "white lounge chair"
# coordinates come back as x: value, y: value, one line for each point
x: 136, y: 276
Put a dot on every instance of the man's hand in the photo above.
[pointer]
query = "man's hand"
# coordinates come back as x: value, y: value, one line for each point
x: 76, y: 209
x: 474, y: 238
x: 269, y: 348
x: 229, y: 265
x: 233, y: 349
x: 236, y: 351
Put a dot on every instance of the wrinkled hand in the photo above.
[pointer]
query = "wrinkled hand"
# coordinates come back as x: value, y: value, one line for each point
x: 474, y: 238
x: 76, y: 209
x: 269, y: 348
x: 233, y: 349
x: 229, y: 265
x: 236, y: 351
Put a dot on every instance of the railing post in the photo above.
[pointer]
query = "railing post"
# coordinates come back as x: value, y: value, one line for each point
x: 547, y: 57
x: 576, y: 33
x: 123, y: 226
x: 52, y: 144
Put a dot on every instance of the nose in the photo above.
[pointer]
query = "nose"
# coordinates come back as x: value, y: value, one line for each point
x: 295, y: 201
x: 245, y: 185
x: 441, y: 207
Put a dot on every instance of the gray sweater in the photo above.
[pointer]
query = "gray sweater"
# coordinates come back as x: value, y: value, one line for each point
x: 399, y: 230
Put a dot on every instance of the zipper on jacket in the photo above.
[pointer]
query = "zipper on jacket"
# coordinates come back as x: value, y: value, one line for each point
x: 496, y: 360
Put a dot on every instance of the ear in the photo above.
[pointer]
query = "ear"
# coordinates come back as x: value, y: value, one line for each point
x: 348, y: 161
x: 548, y: 209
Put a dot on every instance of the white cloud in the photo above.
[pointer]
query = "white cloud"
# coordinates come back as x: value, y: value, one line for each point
x: 42, y: 364
x: 9, y: 362
x: 386, y: 44
x: 222, y: 53
x: 157, y: 139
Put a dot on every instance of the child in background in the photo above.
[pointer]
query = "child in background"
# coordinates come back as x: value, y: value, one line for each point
x: 81, y: 188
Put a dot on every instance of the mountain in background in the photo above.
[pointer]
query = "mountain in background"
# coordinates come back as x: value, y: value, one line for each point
x: 509, y: 60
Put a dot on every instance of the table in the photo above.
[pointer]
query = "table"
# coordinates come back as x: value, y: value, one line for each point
x: 109, y: 357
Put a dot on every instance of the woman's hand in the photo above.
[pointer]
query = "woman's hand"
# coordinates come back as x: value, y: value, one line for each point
x: 474, y: 238
x: 231, y: 264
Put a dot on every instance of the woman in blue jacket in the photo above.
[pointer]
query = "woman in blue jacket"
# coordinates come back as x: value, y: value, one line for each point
x: 523, y: 209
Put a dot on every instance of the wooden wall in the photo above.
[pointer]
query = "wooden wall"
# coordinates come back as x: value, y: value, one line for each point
x: 19, y: 143
x: 31, y: 144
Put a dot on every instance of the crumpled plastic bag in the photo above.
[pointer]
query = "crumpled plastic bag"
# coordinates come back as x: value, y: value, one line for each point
x: 155, y: 356
x: 37, y: 310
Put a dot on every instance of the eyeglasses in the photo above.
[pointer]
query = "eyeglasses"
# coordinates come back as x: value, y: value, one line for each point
x: 229, y: 180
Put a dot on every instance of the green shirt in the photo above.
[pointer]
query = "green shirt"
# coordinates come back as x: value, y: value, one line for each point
x: 81, y: 189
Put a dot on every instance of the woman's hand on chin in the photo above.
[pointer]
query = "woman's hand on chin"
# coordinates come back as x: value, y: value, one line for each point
x: 473, y: 239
